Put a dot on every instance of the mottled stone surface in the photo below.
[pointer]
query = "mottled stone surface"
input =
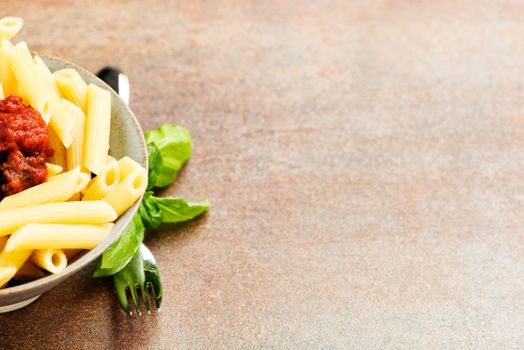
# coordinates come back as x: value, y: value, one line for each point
x: 365, y: 160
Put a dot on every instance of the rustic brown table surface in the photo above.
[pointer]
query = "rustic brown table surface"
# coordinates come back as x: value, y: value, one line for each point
x: 365, y: 160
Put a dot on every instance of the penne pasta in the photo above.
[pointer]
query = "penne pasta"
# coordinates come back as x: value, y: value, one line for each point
x: 10, y: 262
x: 52, y: 260
x: 72, y: 86
x: 10, y: 26
x: 56, y: 236
x: 108, y: 160
x: 88, y: 186
x: 98, y: 123
x: 47, y: 75
x: 59, y: 189
x: 59, y: 152
x: 74, y: 153
x: 127, y: 166
x: 31, y: 81
x: 18, y: 91
x: 6, y: 273
x: 104, y: 182
x: 82, y: 182
x: 28, y: 272
x: 53, y: 169
x: 7, y: 77
x: 89, y: 212
x: 64, y: 121
x: 123, y: 196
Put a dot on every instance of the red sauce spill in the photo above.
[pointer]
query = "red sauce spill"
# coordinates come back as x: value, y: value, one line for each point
x: 24, y: 145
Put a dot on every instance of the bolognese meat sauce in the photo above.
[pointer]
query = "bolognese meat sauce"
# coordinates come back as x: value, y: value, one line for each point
x: 24, y: 145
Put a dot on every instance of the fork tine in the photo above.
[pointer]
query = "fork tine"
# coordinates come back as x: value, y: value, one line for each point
x: 143, y: 289
x: 157, y: 300
x: 134, y: 296
x: 151, y: 286
x: 153, y: 278
x: 120, y: 289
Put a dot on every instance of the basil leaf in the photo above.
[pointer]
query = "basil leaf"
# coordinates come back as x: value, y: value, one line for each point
x: 174, y: 143
x: 149, y: 212
x: 100, y: 272
x: 177, y: 209
x: 154, y: 164
x: 122, y: 250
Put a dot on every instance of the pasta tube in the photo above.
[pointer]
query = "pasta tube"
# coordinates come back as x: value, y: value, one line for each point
x: 128, y: 191
x: 10, y: 262
x: 72, y: 86
x: 108, y: 160
x: 53, y: 169
x: 64, y: 121
x: 98, y: 123
x: 31, y: 81
x: 82, y: 182
x: 89, y: 212
x: 47, y: 75
x: 127, y: 165
x: 52, y: 260
x: 10, y: 26
x: 56, y: 236
x: 58, y: 189
x: 6, y: 273
x: 104, y: 182
x: 7, y: 77
x: 59, y: 155
x: 18, y: 91
x: 75, y: 150
x: 88, y: 186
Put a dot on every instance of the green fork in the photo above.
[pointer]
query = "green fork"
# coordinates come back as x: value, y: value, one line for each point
x: 141, y: 273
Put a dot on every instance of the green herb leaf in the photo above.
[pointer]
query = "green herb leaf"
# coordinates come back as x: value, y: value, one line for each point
x: 154, y: 164
x: 149, y: 212
x: 122, y: 250
x: 100, y: 272
x: 174, y: 143
x: 177, y: 209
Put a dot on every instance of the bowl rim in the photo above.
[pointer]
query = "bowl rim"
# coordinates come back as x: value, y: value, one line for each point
x: 93, y: 254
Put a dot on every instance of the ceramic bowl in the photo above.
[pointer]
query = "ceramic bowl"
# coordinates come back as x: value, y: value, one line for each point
x: 126, y: 139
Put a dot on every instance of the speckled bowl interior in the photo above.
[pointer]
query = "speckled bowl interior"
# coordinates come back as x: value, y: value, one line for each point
x: 126, y: 139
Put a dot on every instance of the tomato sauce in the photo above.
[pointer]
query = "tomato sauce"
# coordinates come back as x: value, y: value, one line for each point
x: 24, y: 146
